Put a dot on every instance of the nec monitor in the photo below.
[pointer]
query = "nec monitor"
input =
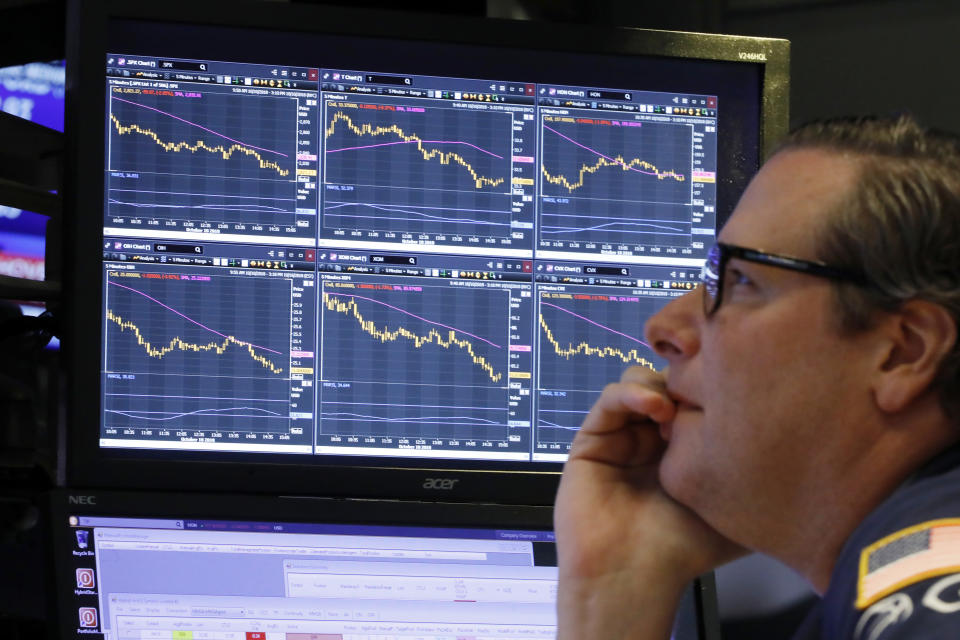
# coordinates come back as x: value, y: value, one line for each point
x: 167, y: 566
x: 347, y: 253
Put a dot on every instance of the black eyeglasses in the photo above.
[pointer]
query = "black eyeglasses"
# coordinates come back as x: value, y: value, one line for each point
x: 712, y: 273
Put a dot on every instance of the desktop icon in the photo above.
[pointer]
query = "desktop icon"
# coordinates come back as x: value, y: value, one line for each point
x: 85, y: 579
x: 88, y: 617
x: 83, y: 538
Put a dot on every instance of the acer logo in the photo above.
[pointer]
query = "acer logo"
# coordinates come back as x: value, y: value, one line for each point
x: 443, y: 484
x: 91, y: 500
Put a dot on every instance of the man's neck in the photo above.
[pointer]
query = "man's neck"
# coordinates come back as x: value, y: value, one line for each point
x: 837, y: 503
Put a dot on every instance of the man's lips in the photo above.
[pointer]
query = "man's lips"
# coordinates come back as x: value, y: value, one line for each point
x: 682, y: 406
x: 680, y: 400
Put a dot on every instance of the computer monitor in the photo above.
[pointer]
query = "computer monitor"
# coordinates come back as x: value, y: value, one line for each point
x: 34, y: 92
x: 339, y: 252
x: 194, y: 566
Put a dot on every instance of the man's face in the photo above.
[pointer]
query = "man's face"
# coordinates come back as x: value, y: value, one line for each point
x: 769, y: 390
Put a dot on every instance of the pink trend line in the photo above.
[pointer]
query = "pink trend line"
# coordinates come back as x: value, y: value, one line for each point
x: 620, y: 162
x: 350, y: 295
x: 597, y: 323
x: 387, y: 144
x: 222, y: 335
x: 194, y: 124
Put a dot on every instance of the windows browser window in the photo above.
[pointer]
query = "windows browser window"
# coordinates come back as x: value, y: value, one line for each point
x: 225, y: 580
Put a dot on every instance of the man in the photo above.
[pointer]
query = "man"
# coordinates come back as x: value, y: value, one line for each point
x: 810, y: 409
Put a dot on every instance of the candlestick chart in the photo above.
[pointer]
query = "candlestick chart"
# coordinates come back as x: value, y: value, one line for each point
x: 194, y: 351
x: 392, y: 168
x: 586, y: 340
x: 414, y: 361
x: 615, y: 181
x: 202, y: 158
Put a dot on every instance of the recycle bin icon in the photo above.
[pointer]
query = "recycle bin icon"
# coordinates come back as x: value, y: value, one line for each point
x: 83, y: 539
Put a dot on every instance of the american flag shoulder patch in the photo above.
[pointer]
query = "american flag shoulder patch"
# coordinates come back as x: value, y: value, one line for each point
x: 908, y: 556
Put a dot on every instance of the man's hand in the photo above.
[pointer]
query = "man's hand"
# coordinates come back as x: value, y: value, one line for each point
x: 626, y: 550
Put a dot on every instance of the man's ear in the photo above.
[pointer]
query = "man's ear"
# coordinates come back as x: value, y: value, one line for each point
x: 920, y: 336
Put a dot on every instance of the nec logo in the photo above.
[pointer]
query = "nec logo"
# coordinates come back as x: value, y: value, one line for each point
x: 444, y: 484
x: 91, y: 500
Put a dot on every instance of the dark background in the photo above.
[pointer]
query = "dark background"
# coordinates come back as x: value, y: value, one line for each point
x: 848, y: 56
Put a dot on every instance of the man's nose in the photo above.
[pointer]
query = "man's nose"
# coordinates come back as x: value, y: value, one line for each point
x: 674, y: 331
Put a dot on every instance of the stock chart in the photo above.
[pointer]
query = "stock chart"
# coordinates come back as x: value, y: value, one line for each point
x: 188, y: 351
x: 395, y: 168
x: 414, y: 360
x: 586, y: 339
x: 409, y: 358
x: 204, y: 162
x: 615, y: 182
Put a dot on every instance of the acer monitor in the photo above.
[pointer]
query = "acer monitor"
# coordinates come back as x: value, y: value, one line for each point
x: 336, y: 252
x: 157, y: 565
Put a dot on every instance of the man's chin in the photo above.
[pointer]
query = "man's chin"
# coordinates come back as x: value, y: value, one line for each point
x: 677, y: 476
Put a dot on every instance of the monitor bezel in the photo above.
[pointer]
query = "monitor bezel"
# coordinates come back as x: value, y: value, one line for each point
x: 89, y: 465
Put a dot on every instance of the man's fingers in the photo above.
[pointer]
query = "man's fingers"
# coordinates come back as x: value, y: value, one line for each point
x: 621, y: 428
x: 615, y: 448
x: 648, y: 446
x: 644, y: 375
x: 622, y: 402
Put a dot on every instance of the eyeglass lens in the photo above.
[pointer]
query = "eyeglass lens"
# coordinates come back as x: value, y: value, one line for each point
x: 712, y: 280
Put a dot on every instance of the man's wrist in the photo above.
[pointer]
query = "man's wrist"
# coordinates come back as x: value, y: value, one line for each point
x: 617, y: 607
